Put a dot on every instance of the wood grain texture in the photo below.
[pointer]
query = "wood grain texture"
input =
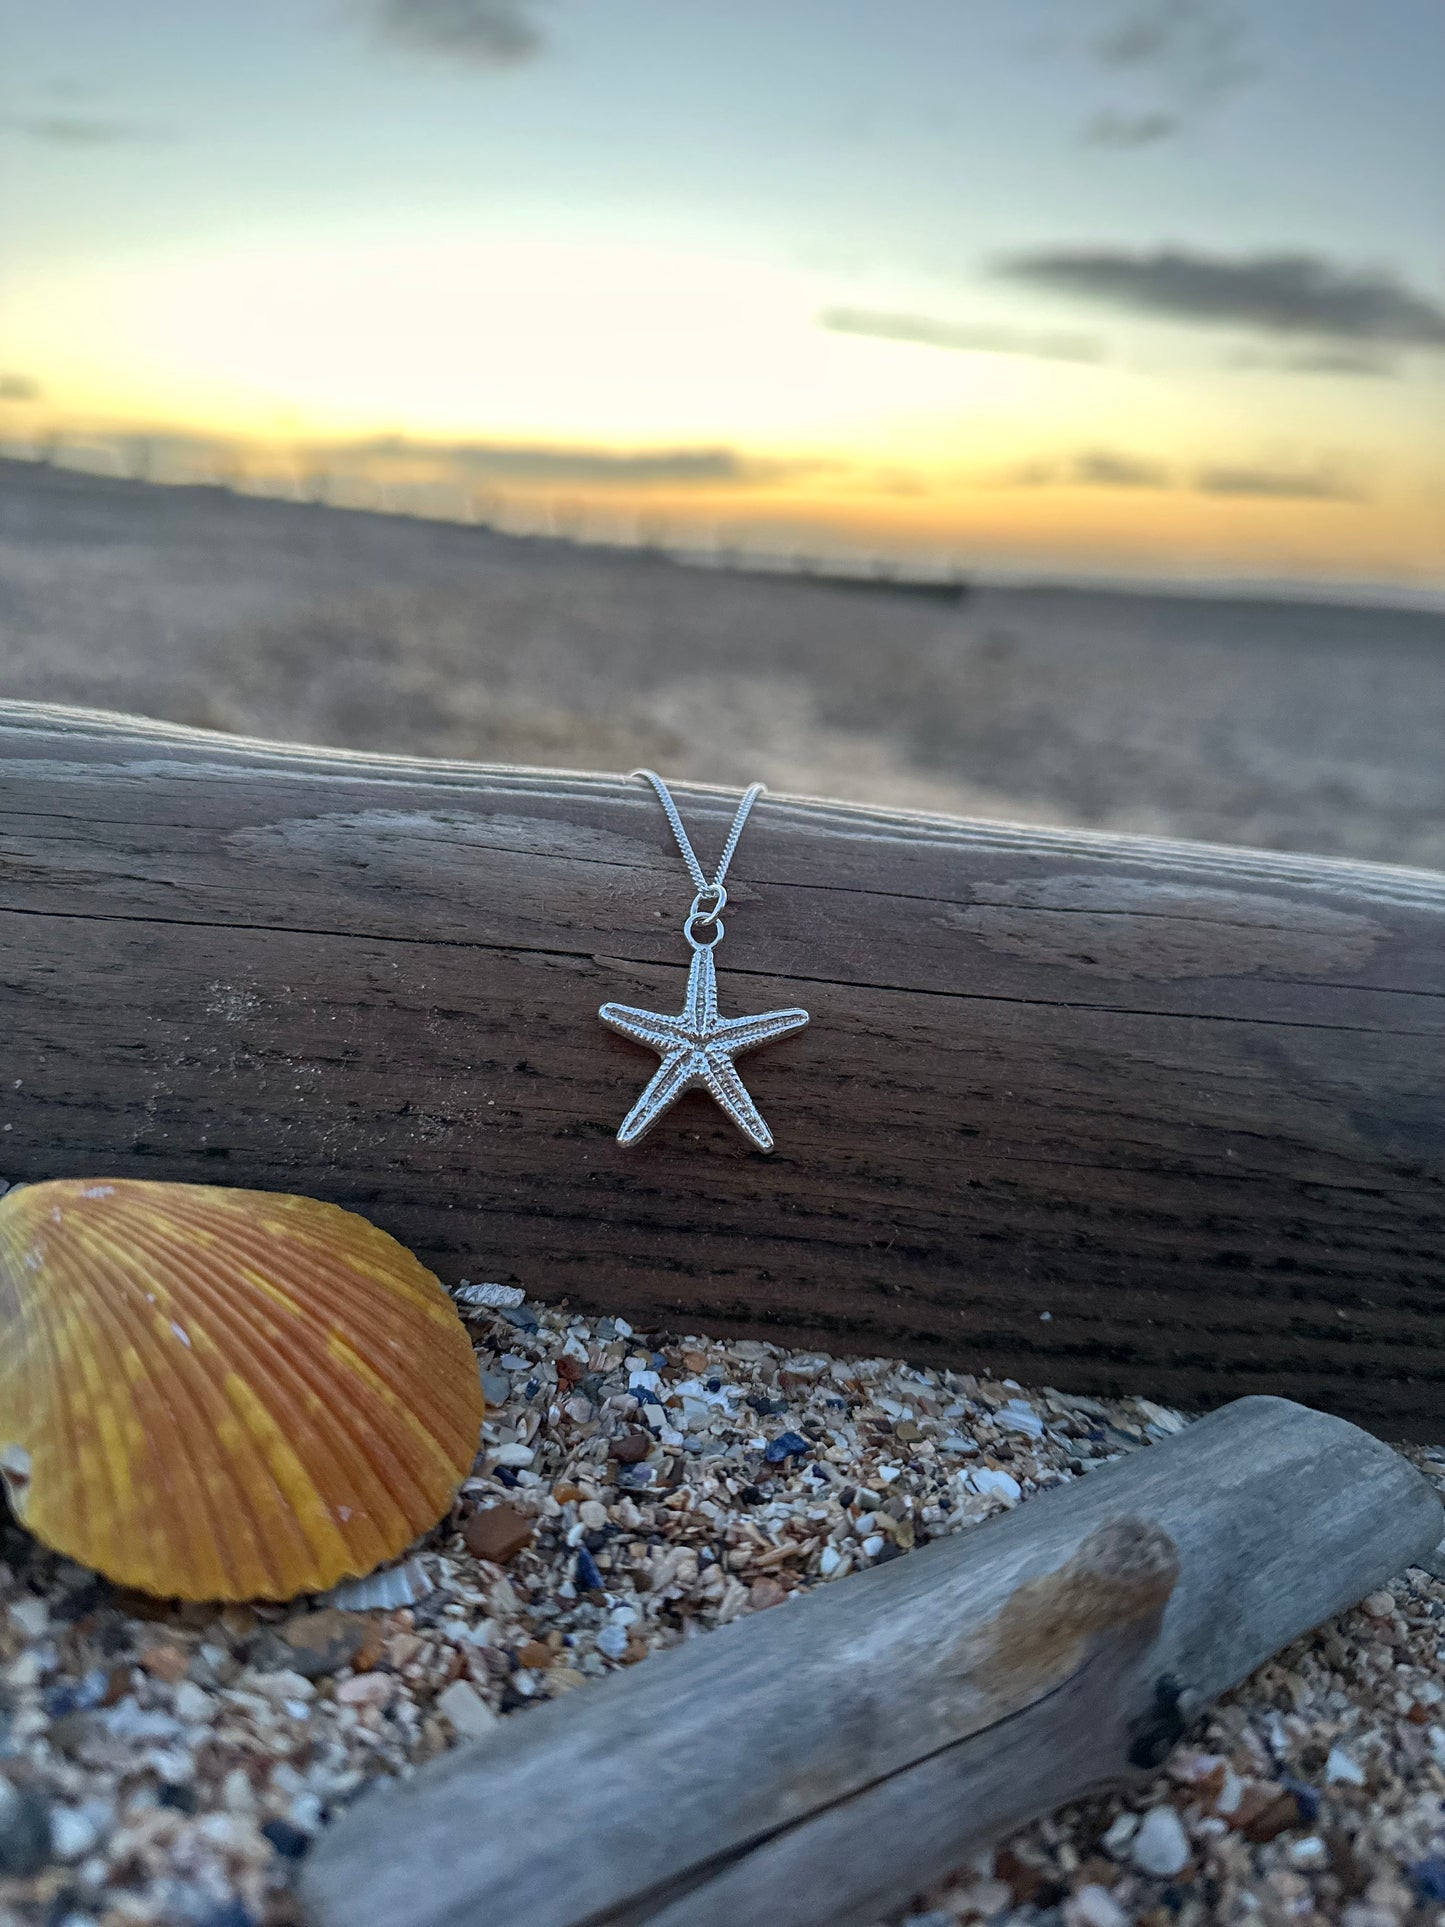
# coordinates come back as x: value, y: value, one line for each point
x: 817, y: 1765
x: 1107, y: 1112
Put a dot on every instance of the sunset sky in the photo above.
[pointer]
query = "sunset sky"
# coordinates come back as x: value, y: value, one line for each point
x: 1150, y: 286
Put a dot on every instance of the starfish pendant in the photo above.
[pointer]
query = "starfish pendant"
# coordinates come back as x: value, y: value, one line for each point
x: 697, y: 1047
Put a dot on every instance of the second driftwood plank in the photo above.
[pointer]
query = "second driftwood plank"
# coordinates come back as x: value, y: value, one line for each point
x: 750, y: 1775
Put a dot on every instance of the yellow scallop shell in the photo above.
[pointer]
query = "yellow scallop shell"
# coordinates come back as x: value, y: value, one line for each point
x: 216, y: 1394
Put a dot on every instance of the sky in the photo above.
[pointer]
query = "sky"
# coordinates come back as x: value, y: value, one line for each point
x: 1142, y: 287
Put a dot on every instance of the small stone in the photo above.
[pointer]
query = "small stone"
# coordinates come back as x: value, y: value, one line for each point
x: 1427, y: 1877
x: 194, y: 1704
x: 612, y: 1641
x: 513, y: 1455
x: 468, y: 1713
x: 534, y: 1654
x: 1121, y: 1831
x: 1312, y: 1853
x: 490, y: 1297
x: 366, y: 1689
x: 992, y: 1484
x: 164, y: 1661
x: 1161, y: 1846
x: 1341, y: 1770
x: 764, y: 1593
x: 1265, y: 1821
x: 24, y: 1831
x: 587, y: 1578
x: 786, y: 1445
x: 31, y: 1617
x: 291, y: 1842
x: 1379, y: 1605
x: 74, y: 1832
x: 496, y: 1388
x: 630, y: 1447
x: 1021, y: 1418
x: 498, y: 1533
x: 985, y: 1897
x: 1094, y: 1906
x: 319, y: 1643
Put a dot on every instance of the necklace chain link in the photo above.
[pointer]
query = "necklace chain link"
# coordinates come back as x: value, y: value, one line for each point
x: 711, y: 897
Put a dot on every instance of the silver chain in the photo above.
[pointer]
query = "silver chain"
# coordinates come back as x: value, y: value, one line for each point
x: 711, y: 897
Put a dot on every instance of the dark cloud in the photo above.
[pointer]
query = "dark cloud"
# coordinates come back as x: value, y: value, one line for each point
x: 1105, y: 468
x: 1280, y: 484
x: 1181, y: 59
x: 946, y: 334
x: 82, y: 130
x: 19, y: 388
x: 1285, y: 294
x: 483, y: 33
x: 1356, y: 364
x: 1095, y: 468
x: 1115, y: 468
x: 525, y: 462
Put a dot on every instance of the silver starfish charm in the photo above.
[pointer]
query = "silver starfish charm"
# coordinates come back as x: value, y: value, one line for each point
x: 697, y: 1048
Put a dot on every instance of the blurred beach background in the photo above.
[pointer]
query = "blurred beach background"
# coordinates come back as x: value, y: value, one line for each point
x: 1033, y: 412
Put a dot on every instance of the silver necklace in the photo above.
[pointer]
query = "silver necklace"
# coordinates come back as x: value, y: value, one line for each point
x: 697, y: 1047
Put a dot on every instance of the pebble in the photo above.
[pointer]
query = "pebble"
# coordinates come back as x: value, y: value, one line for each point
x: 470, y: 1716
x: 366, y: 1689
x: 494, y: 1297
x: 498, y: 1533
x: 612, y: 1640
x: 320, y: 1643
x: 31, y: 1616
x: 513, y: 1455
x: 1016, y: 1417
x: 1341, y: 1770
x: 74, y: 1831
x: 1161, y: 1846
x: 995, y: 1485
x: 24, y: 1830
x: 496, y: 1388
x: 1122, y: 1830
x: 1094, y: 1906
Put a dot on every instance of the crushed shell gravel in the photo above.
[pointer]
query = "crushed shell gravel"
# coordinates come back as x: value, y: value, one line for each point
x: 171, y: 1765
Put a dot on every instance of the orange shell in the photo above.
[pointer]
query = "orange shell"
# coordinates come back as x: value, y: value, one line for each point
x: 216, y: 1394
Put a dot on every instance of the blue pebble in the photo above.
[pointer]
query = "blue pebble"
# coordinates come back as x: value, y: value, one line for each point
x: 659, y: 1359
x: 588, y: 1578
x: 290, y: 1842
x: 785, y: 1445
x: 1305, y: 1798
x: 231, y: 1913
x: 1427, y: 1877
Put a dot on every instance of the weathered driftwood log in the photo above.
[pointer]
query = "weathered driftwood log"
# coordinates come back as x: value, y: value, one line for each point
x: 819, y: 1764
x: 1101, y: 1111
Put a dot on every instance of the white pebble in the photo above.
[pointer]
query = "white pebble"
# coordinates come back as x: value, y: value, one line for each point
x: 74, y: 1831
x: 471, y: 1718
x: 502, y: 1297
x: 830, y: 1561
x: 1341, y: 1770
x: 1121, y: 1831
x: 1094, y: 1906
x: 194, y: 1704
x: 1309, y: 1853
x: 612, y: 1640
x: 1018, y: 1417
x: 32, y: 1616
x: 994, y: 1485
x: 1161, y: 1846
x: 513, y: 1455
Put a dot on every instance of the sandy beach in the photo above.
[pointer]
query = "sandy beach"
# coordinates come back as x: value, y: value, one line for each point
x: 1289, y: 724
